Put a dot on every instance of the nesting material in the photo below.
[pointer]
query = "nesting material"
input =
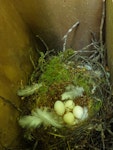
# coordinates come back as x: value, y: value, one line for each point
x: 72, y: 92
x: 67, y: 104
x: 69, y: 91
x: 62, y: 102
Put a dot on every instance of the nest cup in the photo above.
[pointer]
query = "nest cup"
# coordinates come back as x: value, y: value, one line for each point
x: 63, y: 97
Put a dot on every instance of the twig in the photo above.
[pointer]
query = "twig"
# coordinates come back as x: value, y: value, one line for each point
x: 101, y: 34
x: 66, y: 35
x: 35, y: 145
x: 68, y: 145
x: 110, y: 132
x: 32, y: 62
x: 102, y: 23
x: 43, y: 42
x: 102, y: 138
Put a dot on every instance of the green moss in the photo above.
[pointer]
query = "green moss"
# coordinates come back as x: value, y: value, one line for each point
x: 67, y: 54
x: 43, y: 90
x: 82, y: 79
x: 55, y: 71
x: 57, y: 74
x: 94, y: 106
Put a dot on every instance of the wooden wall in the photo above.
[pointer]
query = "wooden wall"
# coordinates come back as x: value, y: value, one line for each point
x: 15, y: 66
x: 51, y: 19
x: 109, y: 35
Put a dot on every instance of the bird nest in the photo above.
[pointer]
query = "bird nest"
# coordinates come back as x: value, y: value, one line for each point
x: 67, y: 102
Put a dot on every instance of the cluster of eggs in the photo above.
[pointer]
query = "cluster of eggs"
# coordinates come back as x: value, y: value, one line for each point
x: 70, y: 113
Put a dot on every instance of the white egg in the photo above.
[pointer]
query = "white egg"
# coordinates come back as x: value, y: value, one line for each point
x: 59, y: 108
x: 69, y: 105
x: 69, y: 118
x: 78, y: 111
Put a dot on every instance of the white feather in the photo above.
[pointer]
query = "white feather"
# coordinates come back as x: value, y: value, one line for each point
x: 29, y: 90
x: 38, y: 117
x: 47, y: 118
x: 30, y: 122
x: 72, y: 92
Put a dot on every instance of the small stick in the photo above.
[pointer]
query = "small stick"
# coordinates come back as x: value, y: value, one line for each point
x: 66, y: 35
x: 102, y: 23
x: 101, y: 33
x: 43, y: 42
